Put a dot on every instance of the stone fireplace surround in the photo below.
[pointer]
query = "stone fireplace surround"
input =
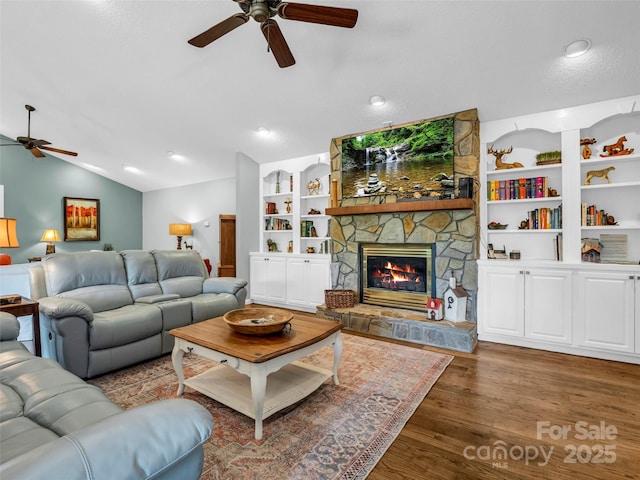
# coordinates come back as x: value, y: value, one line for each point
x: 451, y: 225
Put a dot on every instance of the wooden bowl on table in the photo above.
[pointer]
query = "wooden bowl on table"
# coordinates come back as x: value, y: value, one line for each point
x: 257, y: 321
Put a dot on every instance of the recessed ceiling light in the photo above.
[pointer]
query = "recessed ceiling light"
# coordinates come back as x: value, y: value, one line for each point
x: 264, y: 131
x: 577, y: 48
x: 377, y: 101
x: 131, y: 169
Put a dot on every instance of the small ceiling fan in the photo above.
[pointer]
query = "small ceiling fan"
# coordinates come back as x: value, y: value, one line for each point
x: 262, y: 12
x: 36, y: 145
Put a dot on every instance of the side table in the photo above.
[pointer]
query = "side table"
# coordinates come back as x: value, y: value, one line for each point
x: 26, y: 306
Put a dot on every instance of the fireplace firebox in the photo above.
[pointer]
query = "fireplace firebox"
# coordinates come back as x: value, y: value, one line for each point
x: 397, y: 275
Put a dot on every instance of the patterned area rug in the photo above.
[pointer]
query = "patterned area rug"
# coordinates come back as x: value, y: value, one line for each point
x: 338, y: 432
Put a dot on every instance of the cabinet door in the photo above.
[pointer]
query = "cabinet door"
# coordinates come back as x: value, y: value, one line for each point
x: 502, y: 303
x: 605, y: 310
x: 318, y: 277
x: 637, y: 313
x: 548, y: 305
x: 307, y: 280
x: 296, y: 281
x: 268, y: 277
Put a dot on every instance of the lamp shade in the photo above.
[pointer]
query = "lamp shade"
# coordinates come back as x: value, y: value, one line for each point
x: 50, y: 235
x: 8, y: 236
x: 180, y: 229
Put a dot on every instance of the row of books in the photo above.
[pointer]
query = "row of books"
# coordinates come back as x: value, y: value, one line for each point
x: 307, y: 229
x: 557, y: 245
x: 275, y: 223
x: 592, y: 217
x: 518, y: 188
x: 544, y: 218
x: 270, y: 208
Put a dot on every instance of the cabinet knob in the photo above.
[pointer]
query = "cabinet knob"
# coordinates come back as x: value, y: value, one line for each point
x: 521, y: 272
x: 527, y: 272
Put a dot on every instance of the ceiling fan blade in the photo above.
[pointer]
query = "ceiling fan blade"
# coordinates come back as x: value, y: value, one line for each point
x: 217, y: 31
x: 57, y: 150
x: 24, y: 140
x: 36, y: 152
x: 37, y: 143
x: 302, y: 12
x: 277, y: 44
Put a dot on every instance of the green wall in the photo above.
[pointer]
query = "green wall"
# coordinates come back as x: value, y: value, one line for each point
x: 33, y: 194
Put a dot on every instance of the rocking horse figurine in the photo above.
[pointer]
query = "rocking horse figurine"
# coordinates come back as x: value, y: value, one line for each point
x: 500, y: 165
x: 616, y: 149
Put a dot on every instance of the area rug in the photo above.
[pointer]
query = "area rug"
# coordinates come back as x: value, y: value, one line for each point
x: 338, y: 432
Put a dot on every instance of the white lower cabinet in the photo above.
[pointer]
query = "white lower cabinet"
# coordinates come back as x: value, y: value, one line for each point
x: 307, y: 279
x: 267, y: 278
x: 591, y: 310
x: 607, y: 310
x: 525, y: 302
x: 289, y: 280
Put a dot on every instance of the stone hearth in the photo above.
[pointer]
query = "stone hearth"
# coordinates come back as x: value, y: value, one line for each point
x: 407, y: 325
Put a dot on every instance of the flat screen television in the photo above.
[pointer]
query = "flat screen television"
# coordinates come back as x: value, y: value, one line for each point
x: 411, y: 161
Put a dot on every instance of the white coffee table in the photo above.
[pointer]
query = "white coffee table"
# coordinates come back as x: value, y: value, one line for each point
x: 257, y: 376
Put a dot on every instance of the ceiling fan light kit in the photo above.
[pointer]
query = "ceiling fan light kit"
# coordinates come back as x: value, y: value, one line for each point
x: 263, y: 11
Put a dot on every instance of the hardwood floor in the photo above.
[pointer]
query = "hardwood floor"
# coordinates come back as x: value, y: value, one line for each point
x: 521, y: 399
x: 498, y: 395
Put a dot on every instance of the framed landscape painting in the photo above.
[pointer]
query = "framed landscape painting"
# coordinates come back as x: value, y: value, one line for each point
x: 81, y: 219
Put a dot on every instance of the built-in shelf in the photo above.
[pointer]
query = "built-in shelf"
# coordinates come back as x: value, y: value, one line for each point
x: 417, y: 206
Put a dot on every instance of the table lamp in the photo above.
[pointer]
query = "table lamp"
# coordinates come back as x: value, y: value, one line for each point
x: 179, y: 229
x: 8, y: 238
x: 50, y: 235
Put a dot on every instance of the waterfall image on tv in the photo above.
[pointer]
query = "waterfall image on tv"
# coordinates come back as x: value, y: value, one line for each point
x: 413, y: 160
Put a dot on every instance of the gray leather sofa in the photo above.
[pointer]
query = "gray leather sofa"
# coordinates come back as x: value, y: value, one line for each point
x: 100, y: 311
x: 54, y: 425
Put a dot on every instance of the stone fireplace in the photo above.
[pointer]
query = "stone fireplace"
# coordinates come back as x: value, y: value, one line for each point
x: 449, y: 227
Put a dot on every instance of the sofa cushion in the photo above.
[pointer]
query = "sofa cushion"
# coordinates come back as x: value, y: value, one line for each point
x: 180, y: 272
x: 142, y: 275
x: 124, y: 325
x: 211, y: 305
x: 21, y: 434
x: 98, y: 278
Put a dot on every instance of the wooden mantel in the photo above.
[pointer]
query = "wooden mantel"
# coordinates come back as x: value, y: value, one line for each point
x: 417, y: 206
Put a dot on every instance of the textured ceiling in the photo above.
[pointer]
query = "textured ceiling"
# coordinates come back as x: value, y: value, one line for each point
x: 117, y: 82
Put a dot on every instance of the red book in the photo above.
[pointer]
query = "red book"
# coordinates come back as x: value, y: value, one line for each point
x: 539, y: 187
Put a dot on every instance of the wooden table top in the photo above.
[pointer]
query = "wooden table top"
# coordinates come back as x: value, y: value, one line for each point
x: 216, y: 335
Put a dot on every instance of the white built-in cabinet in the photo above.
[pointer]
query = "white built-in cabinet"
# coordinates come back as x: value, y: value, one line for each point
x: 526, y: 301
x: 550, y: 298
x: 608, y: 324
x: 268, y: 277
x: 307, y: 279
x: 294, y: 195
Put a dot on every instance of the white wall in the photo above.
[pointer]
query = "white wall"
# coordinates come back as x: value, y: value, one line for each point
x: 194, y: 204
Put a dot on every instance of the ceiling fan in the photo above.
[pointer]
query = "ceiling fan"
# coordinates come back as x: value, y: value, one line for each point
x: 36, y: 145
x: 262, y: 12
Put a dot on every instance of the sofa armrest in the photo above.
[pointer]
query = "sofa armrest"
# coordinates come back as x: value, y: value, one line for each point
x: 223, y: 285
x: 141, y: 443
x: 9, y: 327
x: 60, y: 307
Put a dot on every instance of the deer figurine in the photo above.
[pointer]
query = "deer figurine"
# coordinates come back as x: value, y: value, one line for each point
x: 500, y: 165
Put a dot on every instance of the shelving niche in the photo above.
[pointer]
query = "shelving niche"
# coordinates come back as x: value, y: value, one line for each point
x: 526, y: 144
x: 618, y: 197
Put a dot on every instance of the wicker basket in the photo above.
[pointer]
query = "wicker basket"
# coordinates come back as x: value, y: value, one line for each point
x: 339, y: 298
